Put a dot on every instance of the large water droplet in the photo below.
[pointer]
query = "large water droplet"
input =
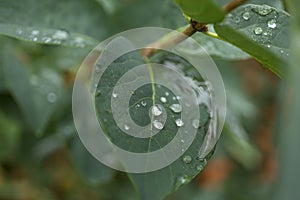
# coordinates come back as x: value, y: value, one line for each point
x: 60, y: 35
x: 258, y: 30
x: 157, y: 124
x: 196, y: 123
x: 51, y: 97
x: 156, y: 110
x: 163, y: 99
x: 187, y: 159
x: 272, y: 23
x: 246, y: 15
x: 179, y: 122
x: 144, y: 103
x: 176, y: 108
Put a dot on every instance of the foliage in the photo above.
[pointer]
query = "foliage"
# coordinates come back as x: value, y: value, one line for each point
x: 44, y: 42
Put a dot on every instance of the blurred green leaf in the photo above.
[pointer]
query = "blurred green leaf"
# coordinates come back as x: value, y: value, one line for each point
x: 92, y: 169
x: 37, y: 91
x: 261, y: 31
x: 47, y: 36
x: 205, y: 11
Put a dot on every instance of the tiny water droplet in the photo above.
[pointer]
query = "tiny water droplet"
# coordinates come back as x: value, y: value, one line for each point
x: 19, y: 31
x: 281, y: 51
x: 178, y: 97
x: 60, y: 35
x: 196, y: 123
x: 79, y: 41
x: 157, y: 110
x: 167, y: 93
x: 182, y: 141
x: 187, y: 159
x: 246, y: 15
x: 163, y: 99
x: 268, y: 46
x: 272, y: 23
x: 46, y: 39
x: 265, y: 33
x: 176, y: 108
x: 237, y: 20
x: 35, y: 39
x: 157, y: 124
x: 137, y: 105
x: 144, y: 103
x: 51, y: 97
x: 114, y: 95
x: 179, y: 122
x: 174, y: 98
x: 199, y: 167
x: 35, y: 32
x: 180, y: 181
x: 126, y: 127
x: 258, y: 30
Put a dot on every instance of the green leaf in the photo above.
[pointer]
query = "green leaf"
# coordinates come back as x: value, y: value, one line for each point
x: 36, y: 91
x: 47, y: 36
x: 204, y: 11
x: 261, y: 31
x: 79, y: 16
x: 93, y: 170
x: 188, y: 165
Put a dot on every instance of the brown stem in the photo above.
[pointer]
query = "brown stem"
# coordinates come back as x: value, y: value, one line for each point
x: 188, y: 32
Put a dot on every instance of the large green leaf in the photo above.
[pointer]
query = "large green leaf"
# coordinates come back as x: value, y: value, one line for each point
x: 261, y: 31
x: 205, y: 11
x: 187, y: 166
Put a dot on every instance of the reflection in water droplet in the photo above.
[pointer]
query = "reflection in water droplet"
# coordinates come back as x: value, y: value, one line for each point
x: 51, y: 97
x: 176, y: 108
x: 126, y: 127
x: 179, y: 122
x: 246, y: 15
x: 114, y: 95
x: 144, y: 103
x: 156, y: 110
x: 157, y: 124
x: 196, y: 123
x: 163, y: 99
x: 187, y: 159
x: 258, y: 30
x: 60, y: 35
x: 35, y: 32
x: 272, y: 23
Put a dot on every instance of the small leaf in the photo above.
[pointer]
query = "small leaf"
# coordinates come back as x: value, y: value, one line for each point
x: 261, y: 31
x: 47, y: 36
x: 205, y: 11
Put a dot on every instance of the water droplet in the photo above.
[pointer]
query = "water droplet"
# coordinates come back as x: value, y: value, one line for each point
x: 35, y: 32
x: 163, y: 99
x: 272, y: 23
x: 60, y: 35
x: 265, y: 33
x: 51, y: 97
x: 126, y: 127
x: 196, y: 123
x: 156, y: 110
x: 79, y: 41
x: 46, y: 39
x: 187, y: 159
x: 199, y: 167
x: 179, y: 122
x: 246, y: 15
x: 176, y: 108
x: 180, y: 181
x: 144, y: 103
x: 137, y: 105
x: 114, y: 95
x: 174, y: 98
x: 281, y: 51
x: 268, y: 46
x: 182, y: 141
x: 263, y: 10
x: 35, y: 39
x: 157, y: 124
x: 237, y: 20
x: 19, y: 31
x: 258, y: 30
x: 167, y: 93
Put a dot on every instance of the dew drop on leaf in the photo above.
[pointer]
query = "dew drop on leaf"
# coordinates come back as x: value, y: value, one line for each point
x: 272, y: 23
x: 179, y: 122
x: 126, y: 127
x: 163, y: 99
x: 246, y: 15
x: 144, y: 103
x: 114, y: 95
x: 258, y: 31
x: 156, y: 110
x: 60, y: 35
x: 157, y: 124
x: 195, y: 123
x: 51, y: 97
x: 187, y: 159
x: 176, y: 108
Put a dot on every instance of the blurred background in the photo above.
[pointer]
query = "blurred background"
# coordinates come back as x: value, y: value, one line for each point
x: 41, y: 156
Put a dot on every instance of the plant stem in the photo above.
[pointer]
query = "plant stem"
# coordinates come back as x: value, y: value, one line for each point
x: 188, y: 32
